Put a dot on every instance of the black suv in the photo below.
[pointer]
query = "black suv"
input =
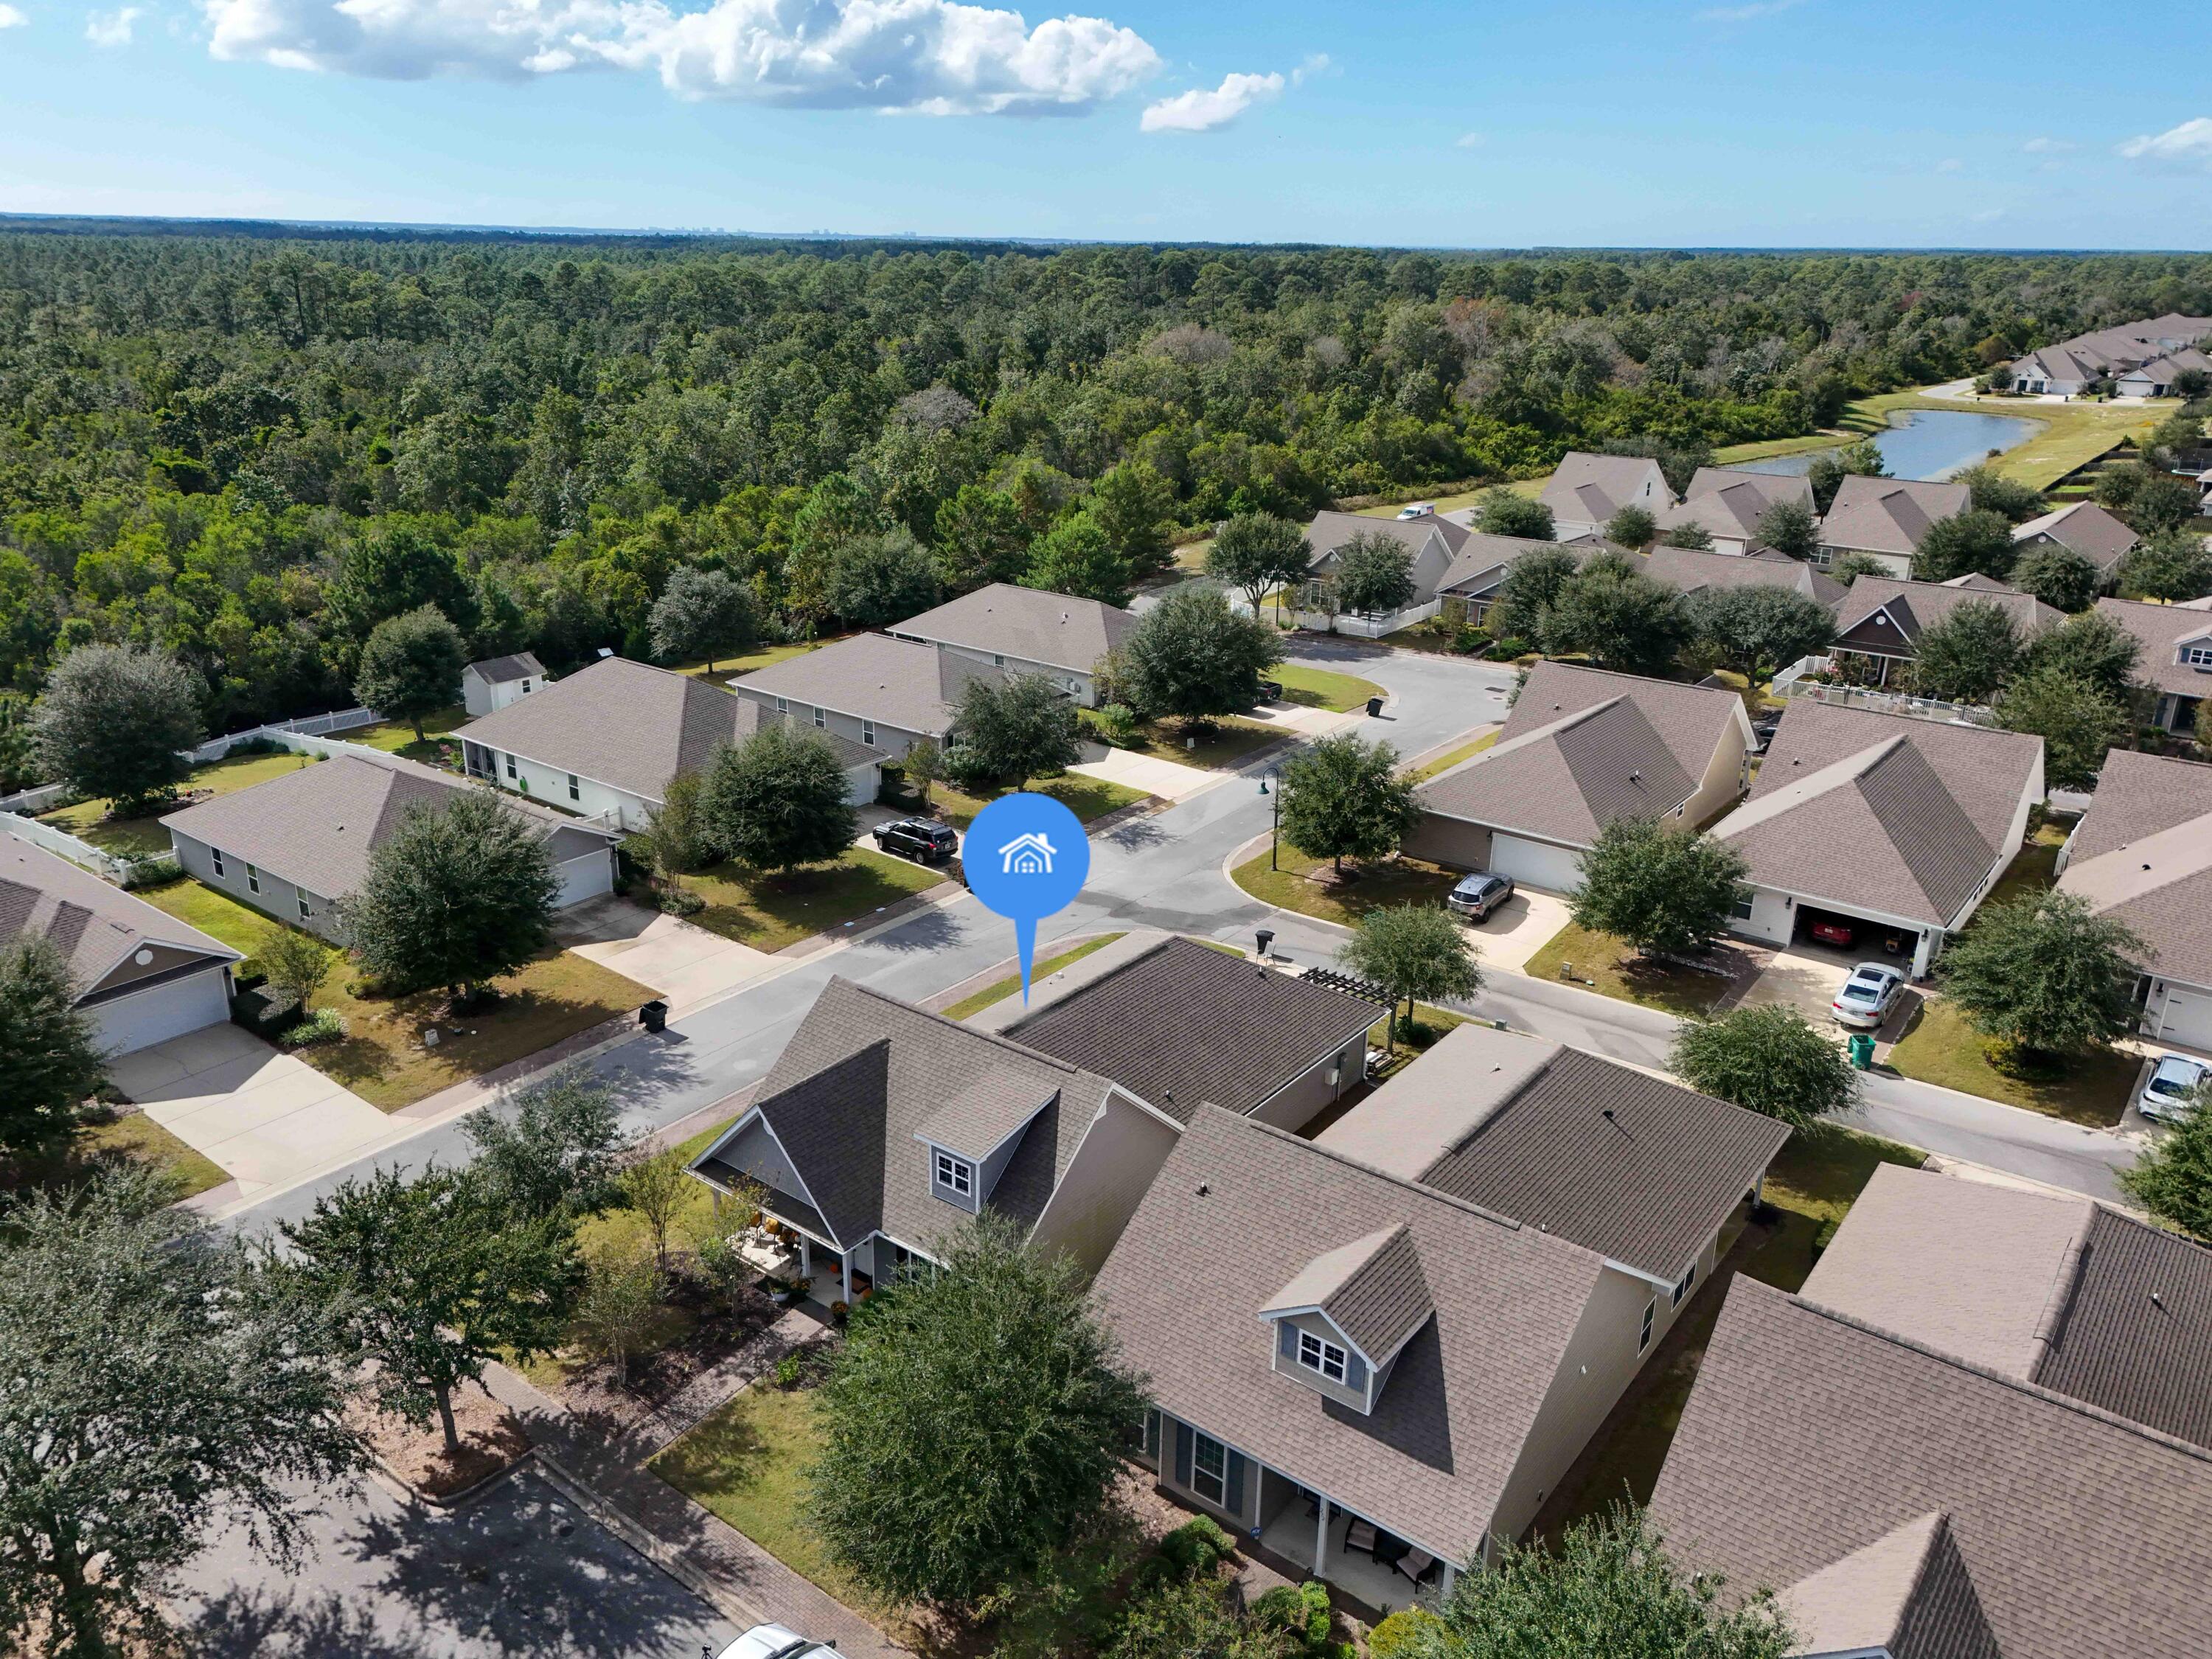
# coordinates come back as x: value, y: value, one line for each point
x: 923, y: 840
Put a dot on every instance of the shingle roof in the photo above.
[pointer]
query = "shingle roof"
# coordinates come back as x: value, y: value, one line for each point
x: 2084, y: 526
x: 1234, y: 1203
x: 872, y: 676
x: 498, y: 671
x: 1915, y: 606
x: 1641, y: 1170
x: 1179, y: 1025
x: 1907, y: 1594
x: 1026, y: 622
x: 2152, y: 810
x: 1586, y: 489
x: 1583, y: 748
x: 1906, y: 818
x: 96, y: 927
x: 1889, y: 515
x: 1330, y: 530
x: 630, y: 726
x: 1731, y: 503
x: 865, y: 1073
x: 2162, y: 627
x: 1690, y: 570
x: 316, y: 827
x: 1487, y: 556
x: 1810, y: 1436
x: 1373, y: 1290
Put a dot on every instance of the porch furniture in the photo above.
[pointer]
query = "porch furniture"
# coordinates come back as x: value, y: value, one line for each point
x: 1359, y: 1535
x: 1415, y: 1564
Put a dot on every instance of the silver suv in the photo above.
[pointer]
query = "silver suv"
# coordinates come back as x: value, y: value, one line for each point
x: 1479, y: 893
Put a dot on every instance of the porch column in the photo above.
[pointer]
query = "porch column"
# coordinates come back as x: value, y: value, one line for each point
x: 845, y: 1277
x: 806, y: 1257
x: 1321, y: 1542
x: 1444, y: 1584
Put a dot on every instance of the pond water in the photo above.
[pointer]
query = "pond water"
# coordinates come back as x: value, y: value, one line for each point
x: 1922, y: 443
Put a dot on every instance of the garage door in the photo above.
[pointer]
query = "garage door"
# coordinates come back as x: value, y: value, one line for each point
x: 135, y: 1021
x: 2186, y: 1018
x: 1536, y: 863
x: 586, y: 877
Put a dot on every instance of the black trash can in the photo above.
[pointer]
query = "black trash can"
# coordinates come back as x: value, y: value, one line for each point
x: 1374, y: 706
x: 653, y: 1016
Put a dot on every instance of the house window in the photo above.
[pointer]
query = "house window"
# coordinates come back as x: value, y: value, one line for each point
x: 1209, y: 1470
x: 2197, y: 656
x: 525, y: 688
x: 783, y: 705
x: 1643, y: 1336
x: 576, y: 793
x: 306, y: 914
x: 215, y: 853
x: 867, y: 732
x: 821, y: 715
x: 1742, y: 909
x: 954, y: 1174
x: 1316, y: 1355
x: 510, y: 768
x: 1682, y: 1285
x: 253, y: 879
x: 1822, y: 556
x: 997, y: 659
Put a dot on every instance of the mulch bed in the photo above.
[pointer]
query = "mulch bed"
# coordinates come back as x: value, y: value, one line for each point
x: 724, y: 1326
x: 491, y: 1440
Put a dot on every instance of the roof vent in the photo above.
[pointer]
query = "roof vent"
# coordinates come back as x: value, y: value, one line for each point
x: 1205, y: 1188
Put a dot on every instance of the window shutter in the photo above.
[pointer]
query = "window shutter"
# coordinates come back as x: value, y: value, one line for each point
x: 1236, y: 1505
x: 1182, y: 1455
x: 1288, y: 1347
x: 1355, y: 1372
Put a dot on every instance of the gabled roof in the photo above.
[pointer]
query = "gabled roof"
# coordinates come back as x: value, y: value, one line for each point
x: 867, y: 1078
x: 317, y: 826
x: 1179, y: 1025
x: 1483, y: 559
x: 1586, y: 489
x: 2162, y: 629
x: 1583, y: 747
x: 1330, y: 530
x: 1690, y: 570
x: 1026, y: 622
x: 498, y: 671
x: 2150, y: 811
x: 97, y: 928
x: 2082, y: 1533
x: 2087, y: 528
x: 1908, y: 1594
x: 1906, y: 818
x: 1914, y: 606
x: 872, y: 676
x: 1730, y: 503
x: 1889, y: 515
x: 1640, y: 1169
x: 1237, y: 1201
x: 630, y: 726
x: 1370, y: 1289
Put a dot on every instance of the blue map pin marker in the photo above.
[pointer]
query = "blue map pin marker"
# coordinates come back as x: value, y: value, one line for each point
x: 1026, y: 857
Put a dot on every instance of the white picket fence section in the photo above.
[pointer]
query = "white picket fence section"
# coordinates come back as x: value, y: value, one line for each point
x: 1791, y: 682
x: 45, y: 795
x: 121, y: 871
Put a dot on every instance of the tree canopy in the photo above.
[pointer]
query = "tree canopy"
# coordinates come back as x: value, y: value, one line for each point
x: 1975, y: 542
x: 1503, y: 512
x: 2045, y: 975
x: 1343, y: 797
x: 1414, y: 950
x: 1014, y: 729
x: 411, y: 666
x: 1373, y: 574
x: 699, y: 613
x: 114, y: 721
x: 50, y: 1051
x: 2078, y: 718
x: 1759, y: 629
x: 777, y: 799
x: 2060, y: 577
x: 1620, y: 617
x: 1659, y: 887
x: 1257, y: 552
x: 2172, y: 1177
x: 1968, y: 655
x: 1767, y: 1058
x: 1192, y: 657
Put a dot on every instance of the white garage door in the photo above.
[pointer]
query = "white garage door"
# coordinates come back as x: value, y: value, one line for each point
x: 2186, y: 1018
x: 1536, y: 863
x: 585, y: 877
x: 135, y: 1021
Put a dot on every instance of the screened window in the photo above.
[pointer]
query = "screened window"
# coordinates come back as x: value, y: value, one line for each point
x: 253, y: 879
x: 575, y: 791
x: 1643, y: 1336
x: 783, y: 705
x: 954, y: 1174
x: 1682, y: 1285
x: 1209, y: 1470
x: 1316, y: 1355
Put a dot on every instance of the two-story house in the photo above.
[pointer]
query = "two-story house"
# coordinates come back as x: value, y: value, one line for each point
x: 882, y: 693
x: 2175, y: 663
x: 1026, y: 630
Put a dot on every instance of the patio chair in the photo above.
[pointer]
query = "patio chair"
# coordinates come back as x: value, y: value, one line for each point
x: 1359, y: 1535
x: 1415, y: 1563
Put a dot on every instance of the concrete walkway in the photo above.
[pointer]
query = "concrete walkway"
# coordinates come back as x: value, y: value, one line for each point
x: 263, y: 1116
x: 1169, y: 779
x: 686, y: 963
x: 1308, y: 722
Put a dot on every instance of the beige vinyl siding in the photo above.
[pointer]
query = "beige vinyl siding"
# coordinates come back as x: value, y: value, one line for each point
x: 1299, y: 1101
x: 1723, y: 784
x: 1104, y: 1182
x: 1453, y: 842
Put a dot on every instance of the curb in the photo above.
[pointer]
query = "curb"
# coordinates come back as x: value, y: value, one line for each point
x: 642, y: 1538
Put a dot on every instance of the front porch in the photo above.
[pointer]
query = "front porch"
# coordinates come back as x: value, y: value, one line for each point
x: 1368, y: 1572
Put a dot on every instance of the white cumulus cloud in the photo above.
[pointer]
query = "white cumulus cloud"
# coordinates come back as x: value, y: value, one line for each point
x: 11, y: 19
x: 2189, y: 142
x: 1201, y: 111
x: 919, y: 56
x: 112, y: 28
x: 2047, y: 146
x: 1471, y: 140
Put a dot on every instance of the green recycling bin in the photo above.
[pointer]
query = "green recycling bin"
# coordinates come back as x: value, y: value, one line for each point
x: 1862, y: 1046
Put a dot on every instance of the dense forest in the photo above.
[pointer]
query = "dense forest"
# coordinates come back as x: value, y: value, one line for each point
x: 249, y: 450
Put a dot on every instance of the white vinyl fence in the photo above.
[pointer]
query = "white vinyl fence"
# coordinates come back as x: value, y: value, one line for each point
x: 1791, y: 682
x: 46, y: 795
x: 121, y: 871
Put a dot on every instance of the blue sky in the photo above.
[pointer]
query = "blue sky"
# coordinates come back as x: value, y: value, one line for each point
x: 1759, y: 123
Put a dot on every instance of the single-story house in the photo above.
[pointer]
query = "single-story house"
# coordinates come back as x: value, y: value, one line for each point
x: 1727, y: 504
x: 1903, y: 1502
x: 870, y: 690
x: 2046, y: 1287
x: 1180, y: 1025
x: 2073, y: 366
x: 1896, y: 826
x: 1880, y: 617
x: 1885, y: 518
x: 1585, y: 490
x: 2176, y: 662
x: 2143, y: 853
x: 2155, y: 379
x: 1026, y: 630
x: 2067, y: 370
x: 141, y: 975
x: 605, y: 741
x: 491, y: 684
x: 1581, y: 748
x: 1431, y: 543
x: 299, y: 844
x: 1378, y: 1353
x: 881, y: 1129
x: 2084, y: 527
x: 1691, y: 570
x: 1477, y: 574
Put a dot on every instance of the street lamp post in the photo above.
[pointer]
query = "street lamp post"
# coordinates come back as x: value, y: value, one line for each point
x: 1275, y: 834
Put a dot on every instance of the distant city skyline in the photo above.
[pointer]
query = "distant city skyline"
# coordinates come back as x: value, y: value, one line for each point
x: 1776, y: 124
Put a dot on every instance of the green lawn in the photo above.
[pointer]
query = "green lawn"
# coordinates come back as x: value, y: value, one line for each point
x: 1318, y: 688
x: 140, y: 837
x: 1451, y: 757
x: 1000, y: 991
x: 748, y: 1464
x: 1618, y: 972
x: 1225, y: 747
x: 746, y: 662
x: 397, y: 737
x: 1398, y: 881
x: 2035, y: 868
x: 1087, y: 798
x: 215, y: 914
x: 105, y: 1142
x: 770, y: 912
x: 1942, y: 1048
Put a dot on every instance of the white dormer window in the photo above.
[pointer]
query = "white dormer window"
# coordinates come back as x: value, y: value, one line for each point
x: 2196, y: 656
x: 1317, y: 1355
x: 956, y: 1175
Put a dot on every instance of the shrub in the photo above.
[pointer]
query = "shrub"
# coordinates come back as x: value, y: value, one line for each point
x: 1408, y: 1631
x: 678, y: 901
x: 157, y: 870
x: 264, y: 1012
x: 1118, y: 725
x: 1197, y: 1546
x: 1300, y: 1612
x: 1508, y: 649
x: 324, y: 1025
x: 788, y: 1371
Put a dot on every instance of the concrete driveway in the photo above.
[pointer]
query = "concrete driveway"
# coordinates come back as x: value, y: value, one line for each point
x: 684, y: 963
x: 1296, y: 717
x: 1169, y: 779
x: 265, y: 1117
x: 1518, y: 928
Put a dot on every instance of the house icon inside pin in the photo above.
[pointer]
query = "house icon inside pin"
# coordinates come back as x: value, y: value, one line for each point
x: 1027, y: 854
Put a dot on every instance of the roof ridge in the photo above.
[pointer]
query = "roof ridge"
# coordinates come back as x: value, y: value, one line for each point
x: 993, y: 1037
x: 1112, y: 973
x: 2058, y: 1301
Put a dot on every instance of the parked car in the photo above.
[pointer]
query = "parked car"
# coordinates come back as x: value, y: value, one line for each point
x: 1418, y: 510
x: 1479, y: 893
x: 2171, y: 1092
x: 1841, y: 935
x: 1762, y: 732
x: 772, y: 1642
x: 923, y: 840
x: 1271, y: 691
x: 1867, y: 995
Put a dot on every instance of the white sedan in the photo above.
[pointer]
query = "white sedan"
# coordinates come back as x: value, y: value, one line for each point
x: 1868, y: 996
x: 2172, y: 1092
x: 772, y: 1642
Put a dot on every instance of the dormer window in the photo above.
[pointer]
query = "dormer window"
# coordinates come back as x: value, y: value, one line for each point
x: 2196, y: 656
x: 1317, y: 1355
x: 956, y: 1175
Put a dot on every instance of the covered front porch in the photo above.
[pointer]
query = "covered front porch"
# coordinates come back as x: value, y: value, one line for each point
x: 1325, y: 1540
